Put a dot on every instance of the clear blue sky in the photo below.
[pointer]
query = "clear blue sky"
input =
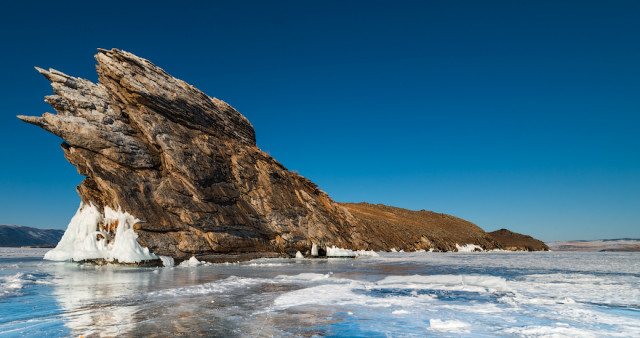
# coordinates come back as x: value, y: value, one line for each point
x: 516, y: 114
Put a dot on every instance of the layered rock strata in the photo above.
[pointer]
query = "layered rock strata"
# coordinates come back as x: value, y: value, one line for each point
x: 188, y: 167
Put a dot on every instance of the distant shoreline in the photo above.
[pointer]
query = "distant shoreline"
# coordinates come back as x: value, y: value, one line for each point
x: 603, y: 245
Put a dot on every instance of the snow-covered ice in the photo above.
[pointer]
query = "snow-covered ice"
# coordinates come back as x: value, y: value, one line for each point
x: 553, y: 294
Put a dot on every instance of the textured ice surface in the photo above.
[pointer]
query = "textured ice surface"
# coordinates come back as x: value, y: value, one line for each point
x: 81, y: 241
x: 554, y: 294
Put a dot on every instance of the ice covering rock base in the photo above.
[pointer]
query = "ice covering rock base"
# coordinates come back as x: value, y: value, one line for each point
x: 93, y: 235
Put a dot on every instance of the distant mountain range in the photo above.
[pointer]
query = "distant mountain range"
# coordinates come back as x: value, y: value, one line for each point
x: 620, y: 244
x: 17, y: 236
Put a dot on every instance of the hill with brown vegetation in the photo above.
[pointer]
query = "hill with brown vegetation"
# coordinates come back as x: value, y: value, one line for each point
x: 402, y: 229
x: 510, y: 240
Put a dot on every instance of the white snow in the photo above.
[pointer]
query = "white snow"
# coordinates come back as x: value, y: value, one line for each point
x: 193, y: 261
x: 365, y: 253
x: 334, y: 251
x: 167, y: 261
x: 448, y: 325
x: 469, y: 248
x: 299, y: 255
x: 400, y: 312
x: 80, y: 240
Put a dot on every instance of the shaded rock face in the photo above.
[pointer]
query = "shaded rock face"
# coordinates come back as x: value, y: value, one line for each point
x: 187, y: 165
x: 517, y: 242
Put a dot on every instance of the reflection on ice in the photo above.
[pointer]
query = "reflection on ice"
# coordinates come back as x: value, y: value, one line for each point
x: 86, y: 294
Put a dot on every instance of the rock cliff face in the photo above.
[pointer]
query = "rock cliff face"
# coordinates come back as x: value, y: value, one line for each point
x: 187, y: 165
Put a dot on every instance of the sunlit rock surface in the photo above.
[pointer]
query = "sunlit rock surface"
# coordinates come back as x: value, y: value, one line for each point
x: 517, y: 242
x: 187, y: 167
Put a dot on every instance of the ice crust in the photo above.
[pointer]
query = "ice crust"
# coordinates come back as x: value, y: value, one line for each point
x: 448, y: 326
x: 193, y: 261
x: 167, y: 261
x: 80, y: 240
x: 469, y: 248
x: 334, y: 251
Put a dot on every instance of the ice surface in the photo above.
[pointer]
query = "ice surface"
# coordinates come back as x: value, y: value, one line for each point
x: 448, y: 325
x: 488, y: 294
x: 22, y: 252
x: 366, y: 253
x: 81, y: 241
x: 400, y: 312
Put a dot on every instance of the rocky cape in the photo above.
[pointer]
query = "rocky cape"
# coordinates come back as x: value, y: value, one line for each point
x: 187, y: 166
x: 17, y: 236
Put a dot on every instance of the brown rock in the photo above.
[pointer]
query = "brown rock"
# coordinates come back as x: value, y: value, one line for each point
x: 386, y: 227
x: 517, y: 242
x: 188, y: 166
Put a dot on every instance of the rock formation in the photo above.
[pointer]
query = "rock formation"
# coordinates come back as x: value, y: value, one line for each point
x: 390, y: 227
x: 517, y: 242
x: 188, y: 167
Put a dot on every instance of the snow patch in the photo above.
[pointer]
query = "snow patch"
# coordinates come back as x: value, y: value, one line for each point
x: 193, y: 261
x: 469, y: 248
x: 365, y: 253
x: 448, y: 325
x: 84, y: 238
x: 470, y: 283
x: 334, y: 251
x: 400, y: 312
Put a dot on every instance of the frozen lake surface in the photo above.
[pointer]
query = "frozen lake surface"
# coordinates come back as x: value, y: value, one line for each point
x: 396, y: 294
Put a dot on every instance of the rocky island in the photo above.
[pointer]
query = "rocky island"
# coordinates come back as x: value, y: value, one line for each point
x: 170, y: 171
